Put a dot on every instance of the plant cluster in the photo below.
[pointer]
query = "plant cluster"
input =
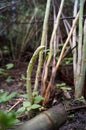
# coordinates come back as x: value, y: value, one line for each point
x: 78, y: 51
x: 53, y: 59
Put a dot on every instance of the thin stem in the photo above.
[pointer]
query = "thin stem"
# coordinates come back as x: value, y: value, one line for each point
x: 67, y: 41
x: 79, y: 88
x: 29, y: 72
x: 67, y: 27
x: 80, y: 39
x: 43, y: 39
x: 60, y: 58
x: 79, y: 62
x: 74, y: 44
x: 51, y: 45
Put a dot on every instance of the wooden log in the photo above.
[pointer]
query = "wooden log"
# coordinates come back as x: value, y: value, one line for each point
x: 48, y: 120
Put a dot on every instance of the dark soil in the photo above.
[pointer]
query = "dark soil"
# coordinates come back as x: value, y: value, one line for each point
x: 78, y: 122
x: 76, y: 117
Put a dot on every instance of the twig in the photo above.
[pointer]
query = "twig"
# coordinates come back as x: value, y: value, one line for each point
x: 20, y: 100
x: 67, y: 41
x: 76, y: 108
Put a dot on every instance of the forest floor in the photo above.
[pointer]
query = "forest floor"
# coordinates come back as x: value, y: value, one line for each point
x: 76, y: 115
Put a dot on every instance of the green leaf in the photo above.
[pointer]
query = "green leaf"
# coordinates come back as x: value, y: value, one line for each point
x: 35, y: 106
x: 38, y: 99
x: 1, y: 71
x: 71, y: 116
x: 23, y: 77
x: 4, y: 97
x: 60, y: 85
x: 29, y: 108
x: 26, y: 104
x: 1, y: 91
x: 24, y: 95
x: 7, y: 119
x: 66, y: 88
x: 12, y: 95
x: 9, y: 79
x: 35, y: 93
x: 9, y: 66
x: 20, y: 111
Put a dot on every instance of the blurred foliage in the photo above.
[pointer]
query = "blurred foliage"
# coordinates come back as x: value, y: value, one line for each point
x: 21, y: 27
x: 7, y: 119
x: 15, y: 24
x: 5, y: 96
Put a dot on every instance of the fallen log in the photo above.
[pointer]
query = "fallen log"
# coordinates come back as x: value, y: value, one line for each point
x: 51, y: 119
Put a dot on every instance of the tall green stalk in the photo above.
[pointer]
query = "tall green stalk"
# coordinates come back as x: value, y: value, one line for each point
x: 78, y: 86
x: 74, y: 43
x: 29, y: 72
x: 80, y: 38
x: 44, y: 33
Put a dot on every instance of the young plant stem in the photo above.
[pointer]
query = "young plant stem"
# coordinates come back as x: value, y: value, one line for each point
x: 79, y: 88
x: 51, y: 47
x: 29, y: 72
x: 79, y: 60
x: 43, y: 40
x: 56, y: 37
x: 74, y: 44
x: 55, y: 49
x: 67, y: 27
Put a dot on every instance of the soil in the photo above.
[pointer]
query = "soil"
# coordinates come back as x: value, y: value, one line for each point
x: 78, y: 122
x: 76, y: 116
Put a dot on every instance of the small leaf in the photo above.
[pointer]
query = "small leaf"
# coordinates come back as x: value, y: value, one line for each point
x: 29, y: 108
x: 9, y: 79
x: 20, y: 111
x: 35, y: 93
x: 38, y: 99
x: 71, y: 116
x: 66, y: 88
x: 24, y: 95
x: 9, y: 66
x: 4, y: 97
x: 81, y: 98
x: 26, y: 104
x: 23, y: 77
x: 12, y: 95
x: 35, y: 106
x: 1, y: 71
x: 1, y: 91
x: 60, y: 85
